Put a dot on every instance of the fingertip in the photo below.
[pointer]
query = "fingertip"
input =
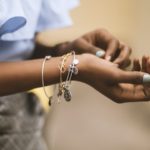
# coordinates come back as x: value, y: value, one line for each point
x: 148, y: 60
x: 108, y: 58
x: 112, y: 49
x: 137, y: 61
x: 148, y: 66
x: 144, y: 58
x: 144, y: 63
x: 146, y: 78
x: 136, y: 65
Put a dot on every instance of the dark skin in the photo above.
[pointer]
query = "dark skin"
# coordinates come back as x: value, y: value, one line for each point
x: 120, y: 86
x: 143, y: 66
x: 101, y: 74
x: 91, y: 42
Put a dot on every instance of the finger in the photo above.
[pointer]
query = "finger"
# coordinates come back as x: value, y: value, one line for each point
x: 148, y: 65
x: 125, y: 64
x: 133, y: 77
x: 123, y: 57
x: 144, y: 63
x: 85, y: 47
x: 111, y: 49
x: 136, y: 65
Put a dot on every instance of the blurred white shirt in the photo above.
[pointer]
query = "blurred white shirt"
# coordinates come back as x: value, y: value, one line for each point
x: 21, y: 19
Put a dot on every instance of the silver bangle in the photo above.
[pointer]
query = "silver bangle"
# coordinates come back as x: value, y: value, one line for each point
x: 43, y: 82
x: 71, y: 70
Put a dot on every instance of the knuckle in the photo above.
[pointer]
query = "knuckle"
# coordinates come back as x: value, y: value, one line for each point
x: 101, y: 30
x: 77, y: 41
x: 115, y: 41
x: 148, y: 62
x: 130, y: 50
x: 116, y: 76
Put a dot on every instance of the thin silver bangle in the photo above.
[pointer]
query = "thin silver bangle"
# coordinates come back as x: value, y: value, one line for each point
x: 43, y: 82
x: 71, y: 70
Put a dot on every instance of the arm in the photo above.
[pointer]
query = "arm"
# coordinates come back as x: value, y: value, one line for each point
x: 102, y: 75
x: 25, y: 75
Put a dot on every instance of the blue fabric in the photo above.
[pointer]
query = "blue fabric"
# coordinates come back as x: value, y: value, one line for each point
x: 21, y: 19
x: 12, y: 25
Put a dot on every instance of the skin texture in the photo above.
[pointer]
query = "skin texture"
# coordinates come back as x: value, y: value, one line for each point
x: 101, y: 74
x: 120, y: 86
x: 143, y: 66
x: 91, y: 42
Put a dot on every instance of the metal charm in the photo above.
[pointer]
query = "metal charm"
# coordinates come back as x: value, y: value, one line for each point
x: 73, y: 69
x: 67, y: 94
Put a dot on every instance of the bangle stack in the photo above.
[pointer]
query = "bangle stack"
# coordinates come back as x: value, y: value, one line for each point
x: 64, y: 87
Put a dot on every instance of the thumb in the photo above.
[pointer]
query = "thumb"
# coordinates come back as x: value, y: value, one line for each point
x: 111, y: 49
x: 86, y: 47
x: 133, y: 77
x: 95, y: 50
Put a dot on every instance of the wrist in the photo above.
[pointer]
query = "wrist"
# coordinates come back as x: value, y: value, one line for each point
x: 52, y: 68
x: 83, y: 67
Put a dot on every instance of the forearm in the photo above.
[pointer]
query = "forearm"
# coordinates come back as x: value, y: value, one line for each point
x: 24, y: 75
x: 21, y: 76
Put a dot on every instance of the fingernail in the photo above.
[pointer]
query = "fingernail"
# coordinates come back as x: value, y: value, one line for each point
x: 146, y: 78
x: 100, y: 53
x: 108, y: 58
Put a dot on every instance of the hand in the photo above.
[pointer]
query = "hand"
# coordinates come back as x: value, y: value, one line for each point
x: 116, y: 84
x: 115, y: 51
x: 145, y: 67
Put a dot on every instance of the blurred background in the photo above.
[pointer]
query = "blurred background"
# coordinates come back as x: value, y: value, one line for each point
x: 90, y: 120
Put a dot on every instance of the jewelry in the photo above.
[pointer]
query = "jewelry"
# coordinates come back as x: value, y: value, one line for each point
x: 100, y: 53
x: 64, y: 87
x: 146, y: 78
x: 71, y: 70
x: 62, y: 68
x: 43, y: 83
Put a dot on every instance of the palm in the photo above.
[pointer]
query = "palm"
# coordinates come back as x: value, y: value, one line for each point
x: 123, y: 92
x: 129, y: 92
